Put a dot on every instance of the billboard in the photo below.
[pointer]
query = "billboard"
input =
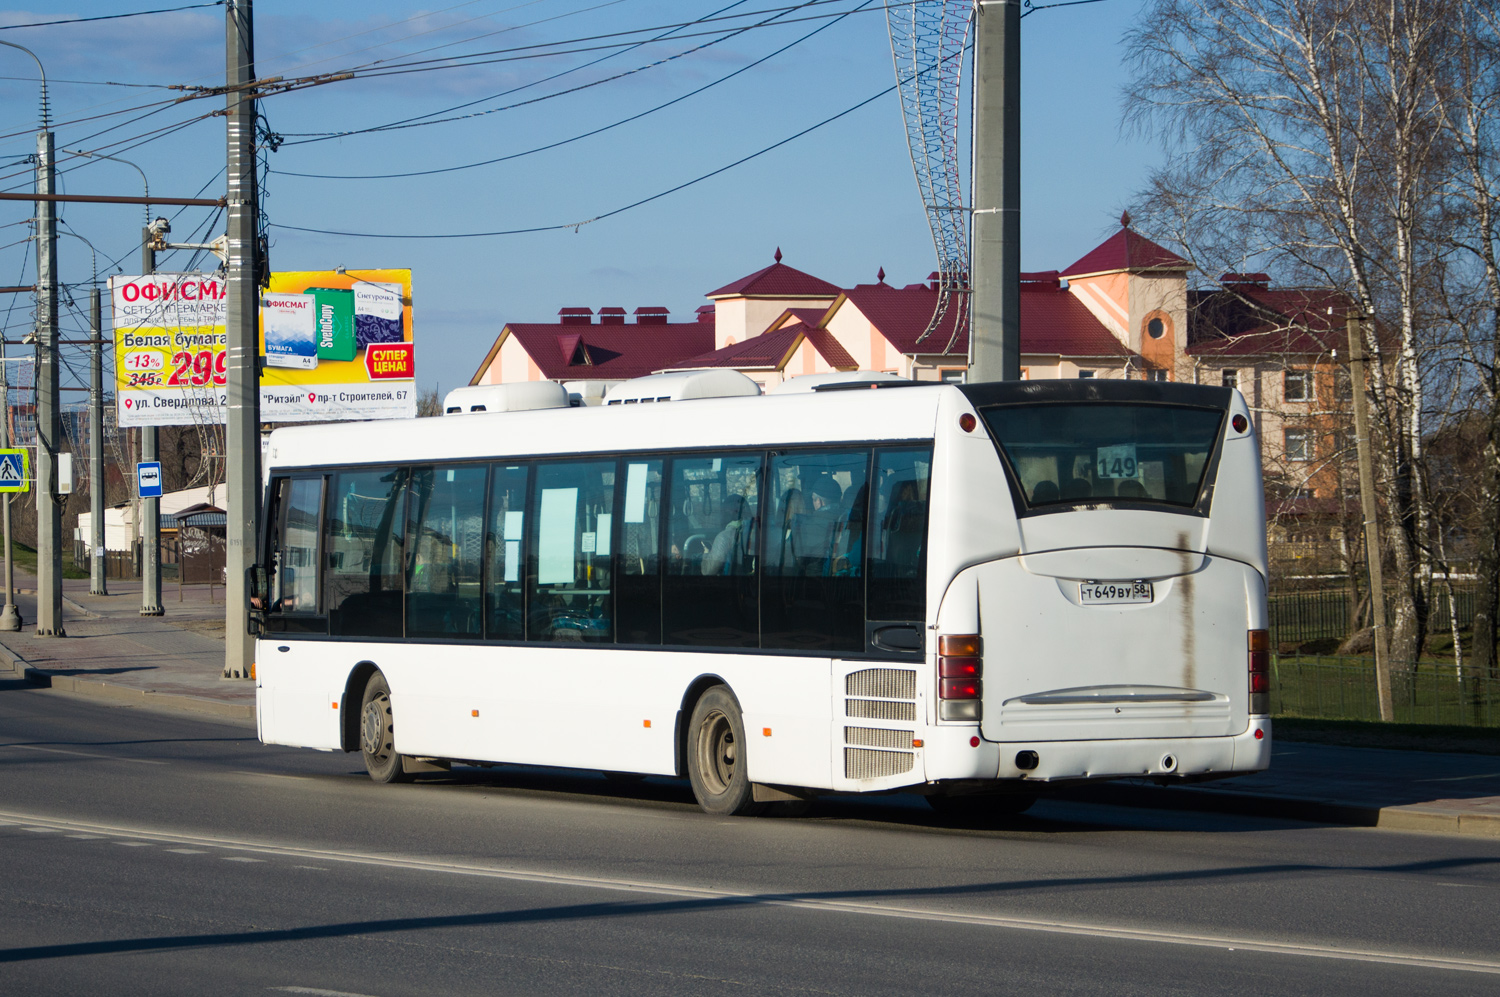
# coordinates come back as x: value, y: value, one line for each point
x: 334, y: 345
x: 170, y: 359
x: 337, y: 344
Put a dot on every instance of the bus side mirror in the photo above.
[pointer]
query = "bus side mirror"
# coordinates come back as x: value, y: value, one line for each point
x: 256, y: 589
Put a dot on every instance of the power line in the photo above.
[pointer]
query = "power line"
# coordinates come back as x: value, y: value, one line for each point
x: 608, y: 214
x: 525, y: 86
x: 110, y: 17
x: 1032, y: 8
x: 587, y: 134
x: 528, y: 51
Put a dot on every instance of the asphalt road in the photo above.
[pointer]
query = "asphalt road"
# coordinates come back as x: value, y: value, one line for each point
x: 161, y: 853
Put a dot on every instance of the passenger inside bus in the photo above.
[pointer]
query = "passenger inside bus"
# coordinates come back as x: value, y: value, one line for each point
x: 726, y: 553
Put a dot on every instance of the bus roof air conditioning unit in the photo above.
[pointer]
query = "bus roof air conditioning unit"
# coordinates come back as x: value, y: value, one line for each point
x: 681, y: 386
x: 842, y: 378
x: 521, y: 396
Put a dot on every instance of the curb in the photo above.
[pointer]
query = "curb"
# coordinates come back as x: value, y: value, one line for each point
x: 1407, y: 817
x: 122, y: 694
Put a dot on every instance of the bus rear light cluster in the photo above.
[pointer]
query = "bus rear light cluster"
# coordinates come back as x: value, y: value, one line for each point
x: 1259, y: 645
x: 960, y: 677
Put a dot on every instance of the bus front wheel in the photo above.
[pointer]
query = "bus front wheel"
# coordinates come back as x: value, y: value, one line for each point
x: 716, y: 756
x: 377, y: 729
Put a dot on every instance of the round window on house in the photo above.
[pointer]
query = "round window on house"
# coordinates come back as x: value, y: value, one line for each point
x: 1156, y: 328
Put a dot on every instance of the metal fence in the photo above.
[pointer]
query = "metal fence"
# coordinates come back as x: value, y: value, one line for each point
x: 1297, y: 617
x: 1343, y: 688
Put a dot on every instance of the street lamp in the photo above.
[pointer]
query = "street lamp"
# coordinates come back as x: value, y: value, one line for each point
x: 48, y: 596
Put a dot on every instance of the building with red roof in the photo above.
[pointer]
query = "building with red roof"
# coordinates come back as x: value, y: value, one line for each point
x: 1124, y: 309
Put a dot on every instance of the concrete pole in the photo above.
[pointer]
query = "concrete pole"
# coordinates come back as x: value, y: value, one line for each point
x: 150, y: 507
x: 49, y: 622
x: 995, y: 304
x: 243, y: 432
x: 10, y: 616
x: 1372, y: 524
x: 97, y: 582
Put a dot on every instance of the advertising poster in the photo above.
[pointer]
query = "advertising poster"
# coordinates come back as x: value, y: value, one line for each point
x: 334, y: 345
x: 170, y: 359
x: 337, y: 345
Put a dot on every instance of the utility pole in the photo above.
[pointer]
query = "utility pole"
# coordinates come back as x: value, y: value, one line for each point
x: 48, y: 401
x: 1372, y: 526
x: 242, y: 438
x: 150, y: 515
x: 10, y: 616
x: 97, y: 584
x: 995, y: 305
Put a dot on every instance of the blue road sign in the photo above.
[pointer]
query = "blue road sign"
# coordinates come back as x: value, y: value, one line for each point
x: 14, y: 476
x: 148, y: 479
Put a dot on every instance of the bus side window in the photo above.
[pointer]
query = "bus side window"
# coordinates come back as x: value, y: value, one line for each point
x: 570, y: 561
x: 815, y: 549
x: 638, y: 582
x: 294, y: 545
x: 898, y: 535
x: 505, y: 589
x: 444, y: 562
x: 710, y: 591
x: 362, y: 580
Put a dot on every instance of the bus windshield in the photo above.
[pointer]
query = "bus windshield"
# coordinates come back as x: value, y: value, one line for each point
x: 1065, y: 453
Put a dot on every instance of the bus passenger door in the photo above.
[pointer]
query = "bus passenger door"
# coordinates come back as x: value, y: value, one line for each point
x: 297, y: 700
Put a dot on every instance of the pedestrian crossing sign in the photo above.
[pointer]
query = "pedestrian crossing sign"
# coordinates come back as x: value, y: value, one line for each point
x: 15, y: 470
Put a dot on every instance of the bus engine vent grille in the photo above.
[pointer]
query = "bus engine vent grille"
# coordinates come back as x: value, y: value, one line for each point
x: 865, y: 763
x: 886, y: 683
x: 878, y: 737
x: 877, y: 709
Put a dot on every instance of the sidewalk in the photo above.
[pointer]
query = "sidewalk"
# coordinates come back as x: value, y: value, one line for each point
x: 113, y: 652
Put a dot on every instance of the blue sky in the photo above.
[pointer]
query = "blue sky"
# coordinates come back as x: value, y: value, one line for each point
x: 840, y: 202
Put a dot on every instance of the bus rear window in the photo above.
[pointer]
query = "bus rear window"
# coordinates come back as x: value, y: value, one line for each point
x: 1066, y: 453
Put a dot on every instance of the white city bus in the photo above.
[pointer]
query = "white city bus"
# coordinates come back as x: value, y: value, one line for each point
x: 972, y: 592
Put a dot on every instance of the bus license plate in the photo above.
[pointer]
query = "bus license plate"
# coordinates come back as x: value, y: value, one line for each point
x: 1113, y: 593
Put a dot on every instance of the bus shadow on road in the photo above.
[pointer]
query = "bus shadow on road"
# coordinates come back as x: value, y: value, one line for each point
x: 905, y: 811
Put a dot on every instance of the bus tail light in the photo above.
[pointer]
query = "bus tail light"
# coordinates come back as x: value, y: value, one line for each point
x: 1259, y: 645
x: 960, y: 674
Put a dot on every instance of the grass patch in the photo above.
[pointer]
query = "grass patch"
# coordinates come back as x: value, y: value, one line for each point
x: 24, y: 557
x: 1402, y: 737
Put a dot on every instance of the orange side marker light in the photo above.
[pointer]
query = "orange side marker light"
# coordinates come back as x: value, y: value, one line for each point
x: 766, y: 731
x: 645, y: 723
x: 473, y: 713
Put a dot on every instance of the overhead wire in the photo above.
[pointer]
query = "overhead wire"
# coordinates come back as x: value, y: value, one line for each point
x: 524, y: 86
x: 582, y: 135
x: 109, y: 17
x: 608, y: 214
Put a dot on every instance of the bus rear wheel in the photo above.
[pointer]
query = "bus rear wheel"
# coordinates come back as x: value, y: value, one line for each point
x: 716, y: 759
x: 377, y: 733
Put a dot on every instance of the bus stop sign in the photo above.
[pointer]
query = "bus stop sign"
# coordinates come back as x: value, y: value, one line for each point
x: 148, y: 479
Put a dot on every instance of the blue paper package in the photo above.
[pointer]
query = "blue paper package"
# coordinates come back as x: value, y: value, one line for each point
x: 291, y: 330
x: 377, y: 314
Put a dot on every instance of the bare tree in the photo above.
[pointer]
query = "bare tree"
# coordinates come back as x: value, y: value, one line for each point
x: 1305, y: 137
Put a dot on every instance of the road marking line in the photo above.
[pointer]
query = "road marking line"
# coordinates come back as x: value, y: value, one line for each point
x: 187, y: 851
x: 315, y: 991
x: 241, y: 858
x: 867, y: 908
x: 83, y: 754
x: 86, y: 837
x: 134, y: 844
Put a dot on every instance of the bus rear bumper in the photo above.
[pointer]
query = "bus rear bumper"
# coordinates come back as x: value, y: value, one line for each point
x: 1185, y: 758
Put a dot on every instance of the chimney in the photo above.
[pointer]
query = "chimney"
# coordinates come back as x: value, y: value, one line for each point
x: 706, y: 313
x: 611, y: 316
x: 575, y: 316
x: 651, y: 315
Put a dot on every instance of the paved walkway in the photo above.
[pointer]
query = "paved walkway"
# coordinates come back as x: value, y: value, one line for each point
x: 176, y: 659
